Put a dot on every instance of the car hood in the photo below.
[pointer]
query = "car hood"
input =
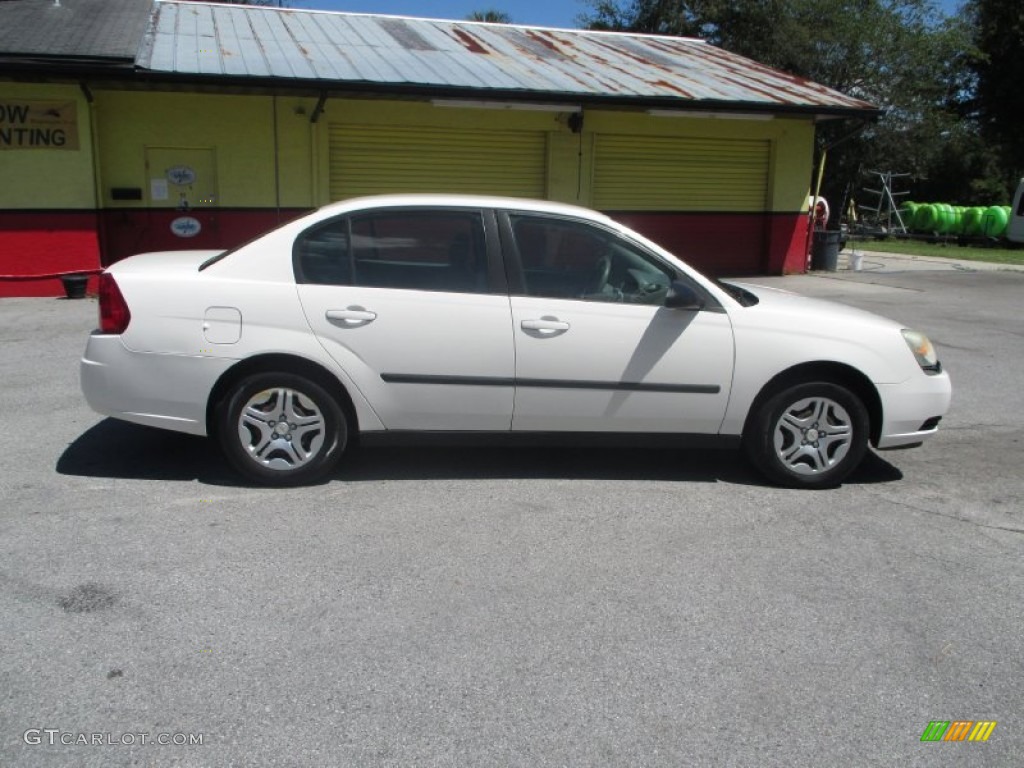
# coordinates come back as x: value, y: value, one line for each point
x: 804, y: 309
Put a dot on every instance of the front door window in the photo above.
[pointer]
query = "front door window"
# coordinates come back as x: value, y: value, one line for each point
x: 571, y: 260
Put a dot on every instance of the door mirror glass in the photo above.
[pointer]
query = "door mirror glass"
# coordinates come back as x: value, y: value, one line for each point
x: 681, y: 296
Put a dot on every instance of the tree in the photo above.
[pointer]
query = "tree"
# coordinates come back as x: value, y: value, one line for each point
x: 999, y: 68
x: 490, y: 15
x: 659, y: 17
x: 901, y: 55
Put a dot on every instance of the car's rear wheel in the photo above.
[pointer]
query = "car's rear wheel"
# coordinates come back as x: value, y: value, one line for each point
x: 281, y: 429
x: 810, y: 435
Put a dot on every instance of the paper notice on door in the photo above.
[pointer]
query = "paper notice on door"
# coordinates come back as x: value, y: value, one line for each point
x: 158, y: 189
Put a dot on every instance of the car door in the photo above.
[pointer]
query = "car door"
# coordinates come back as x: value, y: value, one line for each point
x: 413, y: 305
x: 596, y: 348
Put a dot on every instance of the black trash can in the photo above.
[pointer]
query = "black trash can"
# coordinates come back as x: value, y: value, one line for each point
x: 75, y: 285
x: 825, y: 249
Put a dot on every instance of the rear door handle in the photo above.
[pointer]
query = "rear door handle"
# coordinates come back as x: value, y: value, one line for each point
x: 351, y: 316
x: 546, y: 326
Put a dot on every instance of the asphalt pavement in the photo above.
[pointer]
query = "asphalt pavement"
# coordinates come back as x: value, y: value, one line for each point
x: 516, y: 607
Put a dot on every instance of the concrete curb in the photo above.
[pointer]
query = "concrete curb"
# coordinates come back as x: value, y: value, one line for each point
x: 882, y: 261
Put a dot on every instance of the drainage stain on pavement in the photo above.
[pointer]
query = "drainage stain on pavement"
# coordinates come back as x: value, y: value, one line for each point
x: 87, y: 598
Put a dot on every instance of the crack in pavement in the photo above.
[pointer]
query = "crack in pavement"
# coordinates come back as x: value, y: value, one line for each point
x: 937, y: 513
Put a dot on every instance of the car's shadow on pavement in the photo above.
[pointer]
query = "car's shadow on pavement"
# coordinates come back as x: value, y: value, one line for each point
x: 582, y: 463
x: 118, y: 449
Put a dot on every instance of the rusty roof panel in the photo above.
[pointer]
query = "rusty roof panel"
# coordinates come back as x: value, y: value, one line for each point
x: 338, y: 49
x: 405, y: 35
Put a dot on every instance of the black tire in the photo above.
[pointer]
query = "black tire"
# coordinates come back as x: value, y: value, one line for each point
x: 810, y: 435
x: 296, y: 450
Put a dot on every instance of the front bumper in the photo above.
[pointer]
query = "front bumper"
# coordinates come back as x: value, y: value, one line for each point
x: 159, y: 390
x: 908, y: 407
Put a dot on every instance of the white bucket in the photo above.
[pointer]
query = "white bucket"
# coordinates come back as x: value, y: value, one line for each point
x: 856, y: 260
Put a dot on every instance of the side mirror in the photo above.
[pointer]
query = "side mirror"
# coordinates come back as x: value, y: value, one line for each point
x: 681, y: 296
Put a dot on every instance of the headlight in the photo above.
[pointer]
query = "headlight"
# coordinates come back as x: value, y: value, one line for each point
x: 923, y: 350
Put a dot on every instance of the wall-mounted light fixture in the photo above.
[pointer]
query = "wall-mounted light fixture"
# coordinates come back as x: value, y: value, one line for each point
x: 525, y: 106
x: 715, y: 115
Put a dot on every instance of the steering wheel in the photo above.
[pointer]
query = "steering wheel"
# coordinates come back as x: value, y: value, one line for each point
x: 599, y: 274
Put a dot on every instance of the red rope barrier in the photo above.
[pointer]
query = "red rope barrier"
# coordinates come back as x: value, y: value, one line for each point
x: 51, y: 275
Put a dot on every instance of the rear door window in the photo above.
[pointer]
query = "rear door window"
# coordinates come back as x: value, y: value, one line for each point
x: 428, y: 250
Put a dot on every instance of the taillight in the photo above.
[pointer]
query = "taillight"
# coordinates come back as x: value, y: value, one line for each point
x: 114, y: 313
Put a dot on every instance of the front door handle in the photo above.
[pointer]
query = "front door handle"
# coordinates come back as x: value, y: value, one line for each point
x: 352, y: 316
x: 545, y: 326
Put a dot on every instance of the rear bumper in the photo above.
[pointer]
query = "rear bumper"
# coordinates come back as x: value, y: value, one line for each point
x: 910, y: 410
x: 165, y: 391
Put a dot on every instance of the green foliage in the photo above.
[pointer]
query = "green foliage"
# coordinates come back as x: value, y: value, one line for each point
x: 966, y: 169
x: 948, y: 250
x: 902, y: 55
x: 490, y: 15
x: 999, y: 68
x: 661, y: 17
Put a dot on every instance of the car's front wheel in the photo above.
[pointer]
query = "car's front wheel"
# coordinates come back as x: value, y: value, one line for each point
x: 810, y: 435
x: 281, y: 429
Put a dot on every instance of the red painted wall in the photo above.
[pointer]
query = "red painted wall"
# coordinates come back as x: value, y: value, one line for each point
x: 51, y: 242
x: 721, y: 244
x: 45, y: 242
x: 48, y: 242
x: 788, y: 246
x: 128, y: 231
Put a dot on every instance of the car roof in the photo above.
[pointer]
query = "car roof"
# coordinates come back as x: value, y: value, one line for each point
x: 461, y: 201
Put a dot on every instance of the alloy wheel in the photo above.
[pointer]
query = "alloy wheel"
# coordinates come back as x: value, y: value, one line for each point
x: 813, y: 435
x: 281, y: 429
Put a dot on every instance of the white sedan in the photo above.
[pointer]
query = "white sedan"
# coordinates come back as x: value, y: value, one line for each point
x: 468, y: 317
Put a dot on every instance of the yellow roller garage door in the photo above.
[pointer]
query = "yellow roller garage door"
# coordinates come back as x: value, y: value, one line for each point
x: 372, y: 159
x: 645, y: 173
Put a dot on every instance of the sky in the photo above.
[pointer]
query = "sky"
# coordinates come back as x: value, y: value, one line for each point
x: 545, y: 13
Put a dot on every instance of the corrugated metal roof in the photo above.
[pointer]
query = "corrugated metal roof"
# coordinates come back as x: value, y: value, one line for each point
x: 473, y: 59
x: 101, y: 29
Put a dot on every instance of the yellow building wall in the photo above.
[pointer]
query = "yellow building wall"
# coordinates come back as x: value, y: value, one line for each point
x: 267, y: 154
x: 571, y: 156
x: 792, y: 165
x: 356, y: 112
x: 48, y: 178
x: 240, y: 129
x: 792, y: 146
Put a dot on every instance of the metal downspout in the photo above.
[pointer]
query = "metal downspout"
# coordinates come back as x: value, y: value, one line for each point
x: 97, y: 187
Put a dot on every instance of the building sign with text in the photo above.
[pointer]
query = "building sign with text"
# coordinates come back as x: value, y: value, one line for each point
x: 38, y: 125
